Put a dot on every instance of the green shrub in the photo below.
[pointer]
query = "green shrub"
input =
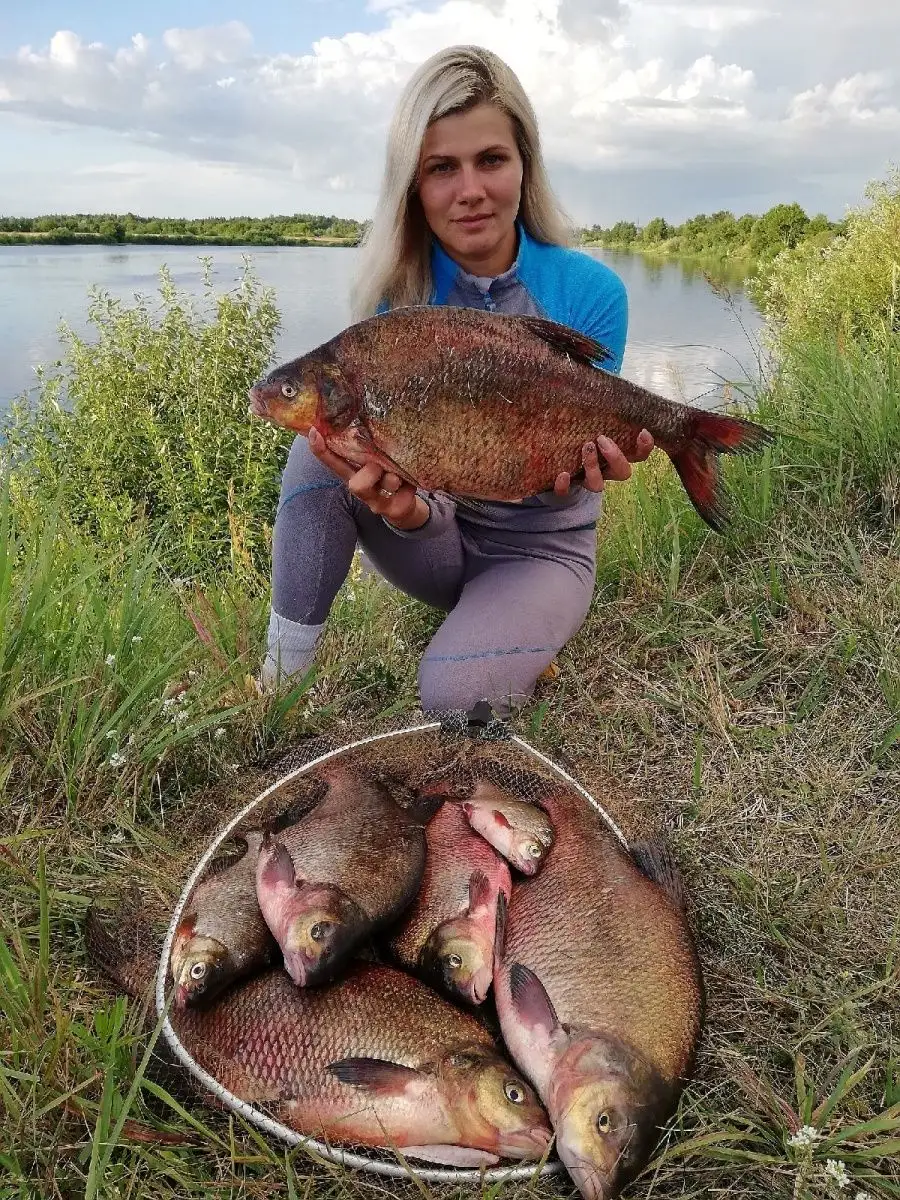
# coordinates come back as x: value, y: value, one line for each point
x: 148, y: 422
x: 846, y: 288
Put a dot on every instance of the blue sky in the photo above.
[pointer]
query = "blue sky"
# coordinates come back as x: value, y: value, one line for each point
x: 646, y: 107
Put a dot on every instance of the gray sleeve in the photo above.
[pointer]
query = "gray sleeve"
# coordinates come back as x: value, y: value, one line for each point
x: 442, y: 514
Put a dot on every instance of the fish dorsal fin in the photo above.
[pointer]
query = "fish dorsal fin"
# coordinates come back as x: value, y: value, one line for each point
x: 375, y: 1075
x: 656, y: 860
x: 568, y: 341
x: 500, y: 929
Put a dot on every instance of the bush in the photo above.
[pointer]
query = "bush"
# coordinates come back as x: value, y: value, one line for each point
x: 148, y: 423
x: 844, y: 289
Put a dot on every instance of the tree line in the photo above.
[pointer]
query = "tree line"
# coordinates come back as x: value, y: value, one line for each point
x: 721, y: 234
x: 299, y: 228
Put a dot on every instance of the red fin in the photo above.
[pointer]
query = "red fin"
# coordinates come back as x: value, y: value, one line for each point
x: 657, y: 862
x: 531, y: 1002
x: 481, y: 894
x: 501, y: 820
x: 277, y: 866
x: 374, y: 1075
x: 715, y: 433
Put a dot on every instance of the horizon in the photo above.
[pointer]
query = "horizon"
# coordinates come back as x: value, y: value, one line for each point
x: 646, y: 108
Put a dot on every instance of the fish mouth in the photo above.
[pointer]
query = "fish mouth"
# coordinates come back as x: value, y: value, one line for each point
x: 527, y: 1143
x: 480, y: 985
x: 182, y: 997
x: 591, y: 1180
x: 297, y: 967
x: 258, y: 405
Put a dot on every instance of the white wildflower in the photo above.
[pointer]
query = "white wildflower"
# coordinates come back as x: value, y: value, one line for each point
x: 180, y: 715
x: 836, y: 1170
x: 861, y: 1196
x: 136, y: 640
x: 110, y: 660
x: 117, y: 759
x: 110, y: 733
x: 806, y: 1135
x: 220, y: 733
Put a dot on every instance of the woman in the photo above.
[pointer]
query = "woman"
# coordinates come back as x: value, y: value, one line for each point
x: 465, y: 217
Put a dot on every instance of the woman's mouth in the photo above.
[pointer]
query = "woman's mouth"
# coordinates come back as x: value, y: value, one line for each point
x: 473, y: 222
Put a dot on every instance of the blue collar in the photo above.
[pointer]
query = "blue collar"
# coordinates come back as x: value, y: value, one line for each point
x: 444, y: 269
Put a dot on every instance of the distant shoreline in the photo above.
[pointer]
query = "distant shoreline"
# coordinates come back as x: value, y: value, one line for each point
x: 163, y: 239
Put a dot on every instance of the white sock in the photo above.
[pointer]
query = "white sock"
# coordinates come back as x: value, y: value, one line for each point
x: 290, y: 648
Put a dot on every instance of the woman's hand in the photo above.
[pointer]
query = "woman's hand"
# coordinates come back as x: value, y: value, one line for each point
x: 604, y: 460
x: 385, y: 493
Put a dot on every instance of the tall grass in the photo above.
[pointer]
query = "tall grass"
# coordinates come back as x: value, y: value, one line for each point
x: 746, y: 690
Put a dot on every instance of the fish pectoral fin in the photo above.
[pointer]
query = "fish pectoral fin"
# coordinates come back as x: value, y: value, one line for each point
x: 481, y: 894
x: 451, y: 1156
x: 569, y: 341
x: 656, y: 860
x: 533, y: 1006
x: 277, y: 866
x: 500, y: 819
x: 376, y: 1075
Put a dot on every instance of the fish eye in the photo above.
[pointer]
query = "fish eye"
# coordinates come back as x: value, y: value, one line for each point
x: 604, y: 1124
x: 198, y: 970
x: 514, y: 1092
x: 453, y: 961
x: 535, y: 849
x: 319, y: 931
x: 288, y: 391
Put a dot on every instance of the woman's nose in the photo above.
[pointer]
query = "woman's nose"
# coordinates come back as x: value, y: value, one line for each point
x: 471, y: 186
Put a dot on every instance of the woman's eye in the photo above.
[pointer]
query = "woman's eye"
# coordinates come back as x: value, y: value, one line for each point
x: 439, y: 168
x: 493, y: 160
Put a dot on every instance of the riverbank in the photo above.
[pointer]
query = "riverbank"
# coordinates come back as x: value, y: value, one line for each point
x: 152, y: 239
x: 741, y: 693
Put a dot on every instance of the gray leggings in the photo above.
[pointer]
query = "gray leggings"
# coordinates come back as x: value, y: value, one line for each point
x: 513, y: 599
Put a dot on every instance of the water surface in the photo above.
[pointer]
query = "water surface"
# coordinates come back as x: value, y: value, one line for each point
x: 683, y: 339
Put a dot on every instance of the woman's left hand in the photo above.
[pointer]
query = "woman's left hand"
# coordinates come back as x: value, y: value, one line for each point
x: 603, y: 460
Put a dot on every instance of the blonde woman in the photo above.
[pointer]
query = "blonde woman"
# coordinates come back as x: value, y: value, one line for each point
x: 465, y: 217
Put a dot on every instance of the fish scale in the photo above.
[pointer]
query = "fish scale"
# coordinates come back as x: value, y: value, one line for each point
x: 488, y: 406
x: 360, y: 840
x: 643, y: 982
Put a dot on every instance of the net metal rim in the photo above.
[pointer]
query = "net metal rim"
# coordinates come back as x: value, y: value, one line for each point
x: 332, y: 1154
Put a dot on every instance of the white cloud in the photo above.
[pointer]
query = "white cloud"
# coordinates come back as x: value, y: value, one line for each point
x: 630, y: 96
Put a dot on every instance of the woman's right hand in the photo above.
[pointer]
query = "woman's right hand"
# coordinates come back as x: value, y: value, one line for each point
x: 384, y: 492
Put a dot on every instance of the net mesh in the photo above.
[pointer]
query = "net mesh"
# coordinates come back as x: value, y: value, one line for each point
x: 449, y: 754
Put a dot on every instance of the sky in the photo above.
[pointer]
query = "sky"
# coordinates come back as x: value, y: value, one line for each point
x: 646, y: 107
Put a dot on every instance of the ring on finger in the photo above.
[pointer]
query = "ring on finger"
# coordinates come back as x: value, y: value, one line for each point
x: 385, y: 492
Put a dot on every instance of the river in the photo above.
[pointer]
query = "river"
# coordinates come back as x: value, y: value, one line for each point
x: 684, y: 339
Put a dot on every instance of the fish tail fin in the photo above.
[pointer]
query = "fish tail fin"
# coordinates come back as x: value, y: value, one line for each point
x: 697, y: 466
x: 124, y: 955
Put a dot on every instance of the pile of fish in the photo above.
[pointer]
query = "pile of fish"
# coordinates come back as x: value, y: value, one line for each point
x: 493, y: 407
x: 463, y: 977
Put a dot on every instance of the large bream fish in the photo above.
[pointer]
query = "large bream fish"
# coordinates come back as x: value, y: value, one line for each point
x: 599, y: 994
x: 488, y: 406
x: 376, y: 1060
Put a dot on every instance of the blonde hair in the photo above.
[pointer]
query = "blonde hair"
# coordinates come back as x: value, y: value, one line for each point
x: 395, y: 259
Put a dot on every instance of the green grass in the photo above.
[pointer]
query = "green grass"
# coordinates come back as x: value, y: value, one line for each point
x: 741, y: 693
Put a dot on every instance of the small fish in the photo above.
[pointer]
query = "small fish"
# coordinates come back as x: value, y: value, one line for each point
x: 351, y: 866
x: 521, y: 832
x: 600, y: 995
x: 489, y: 406
x: 376, y: 1060
x: 222, y: 935
x: 447, y: 937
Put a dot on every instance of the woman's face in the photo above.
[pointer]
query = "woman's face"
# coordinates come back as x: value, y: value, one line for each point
x: 470, y: 184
